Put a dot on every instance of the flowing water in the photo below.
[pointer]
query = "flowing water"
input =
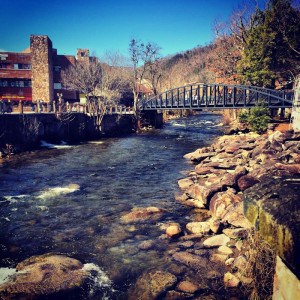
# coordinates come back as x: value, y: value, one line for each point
x: 69, y: 200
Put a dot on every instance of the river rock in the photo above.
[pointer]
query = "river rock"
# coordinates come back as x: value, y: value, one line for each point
x: 235, y: 216
x: 190, y: 260
x: 237, y: 233
x: 175, y: 295
x: 44, y: 275
x: 277, y: 136
x: 246, y: 181
x: 231, y: 280
x: 187, y: 287
x: 225, y: 250
x: 197, y: 158
x: 191, y: 237
x: 194, y: 203
x: 218, y: 257
x: 185, y: 244
x: 240, y: 262
x: 230, y: 179
x: 198, y: 227
x: 215, y: 225
x: 173, y: 230
x: 146, y: 245
x: 143, y: 214
x: 216, y: 241
x: 185, y: 183
x: 291, y: 169
x: 233, y: 148
x: 152, y: 285
x: 200, y: 170
x: 229, y: 261
x: 223, y: 201
x: 203, y: 193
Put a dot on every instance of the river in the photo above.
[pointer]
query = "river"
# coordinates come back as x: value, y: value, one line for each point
x: 69, y: 200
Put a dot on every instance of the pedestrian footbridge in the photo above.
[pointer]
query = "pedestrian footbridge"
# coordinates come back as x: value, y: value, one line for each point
x: 217, y: 96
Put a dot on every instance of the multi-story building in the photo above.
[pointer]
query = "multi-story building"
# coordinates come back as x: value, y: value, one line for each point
x: 35, y: 74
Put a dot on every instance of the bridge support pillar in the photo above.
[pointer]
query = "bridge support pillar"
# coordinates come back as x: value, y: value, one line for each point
x: 282, y: 112
x: 152, y: 118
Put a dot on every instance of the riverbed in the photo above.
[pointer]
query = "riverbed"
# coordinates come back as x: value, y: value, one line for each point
x: 69, y: 199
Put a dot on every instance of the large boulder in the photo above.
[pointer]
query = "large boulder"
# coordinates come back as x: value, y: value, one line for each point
x: 203, y: 193
x: 42, y: 275
x: 273, y: 206
x: 223, y: 201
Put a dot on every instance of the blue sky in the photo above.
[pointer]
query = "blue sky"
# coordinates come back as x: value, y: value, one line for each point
x: 175, y: 25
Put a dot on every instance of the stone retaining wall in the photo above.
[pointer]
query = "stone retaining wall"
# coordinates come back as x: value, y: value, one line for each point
x: 25, y: 131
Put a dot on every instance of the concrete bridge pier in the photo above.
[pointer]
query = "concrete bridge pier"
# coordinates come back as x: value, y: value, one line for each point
x: 153, y: 118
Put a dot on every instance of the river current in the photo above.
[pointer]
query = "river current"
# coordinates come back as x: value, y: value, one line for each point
x: 69, y: 200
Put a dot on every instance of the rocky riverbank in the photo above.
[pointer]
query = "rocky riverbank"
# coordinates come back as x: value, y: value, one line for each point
x: 220, y: 255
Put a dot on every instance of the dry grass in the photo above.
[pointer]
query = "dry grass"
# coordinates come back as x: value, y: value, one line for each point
x: 260, y: 268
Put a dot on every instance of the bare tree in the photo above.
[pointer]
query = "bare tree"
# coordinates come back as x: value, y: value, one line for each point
x: 87, y: 77
x: 142, y: 57
x: 115, y: 77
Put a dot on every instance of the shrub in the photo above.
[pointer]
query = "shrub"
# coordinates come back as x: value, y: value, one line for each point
x: 243, y: 117
x: 257, y: 118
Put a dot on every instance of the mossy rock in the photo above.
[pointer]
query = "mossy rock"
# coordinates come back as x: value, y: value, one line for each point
x: 273, y: 207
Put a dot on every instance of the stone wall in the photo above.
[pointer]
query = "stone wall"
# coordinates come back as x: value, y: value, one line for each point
x: 42, y: 68
x: 27, y: 130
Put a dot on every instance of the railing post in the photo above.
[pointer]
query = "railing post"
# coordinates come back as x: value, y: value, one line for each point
x: 172, y: 100
x: 166, y: 99
x: 191, y: 95
x: 234, y: 96
x: 245, y: 98
x: 178, y: 94
x: 184, y: 96
x: 215, y: 96
x: 224, y: 95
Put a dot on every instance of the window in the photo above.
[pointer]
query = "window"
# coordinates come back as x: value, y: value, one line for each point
x: 57, y: 68
x: 22, y: 66
x: 25, y: 66
x: 57, y: 86
x: 19, y: 83
x: 4, y: 65
x: 27, y: 83
x: 3, y: 83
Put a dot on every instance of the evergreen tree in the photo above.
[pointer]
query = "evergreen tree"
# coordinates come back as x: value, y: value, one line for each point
x: 272, y: 45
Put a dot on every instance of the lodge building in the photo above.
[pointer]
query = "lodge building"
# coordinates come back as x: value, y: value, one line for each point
x: 35, y: 74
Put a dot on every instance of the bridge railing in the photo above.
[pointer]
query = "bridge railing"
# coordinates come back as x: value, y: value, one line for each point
x: 217, y: 96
